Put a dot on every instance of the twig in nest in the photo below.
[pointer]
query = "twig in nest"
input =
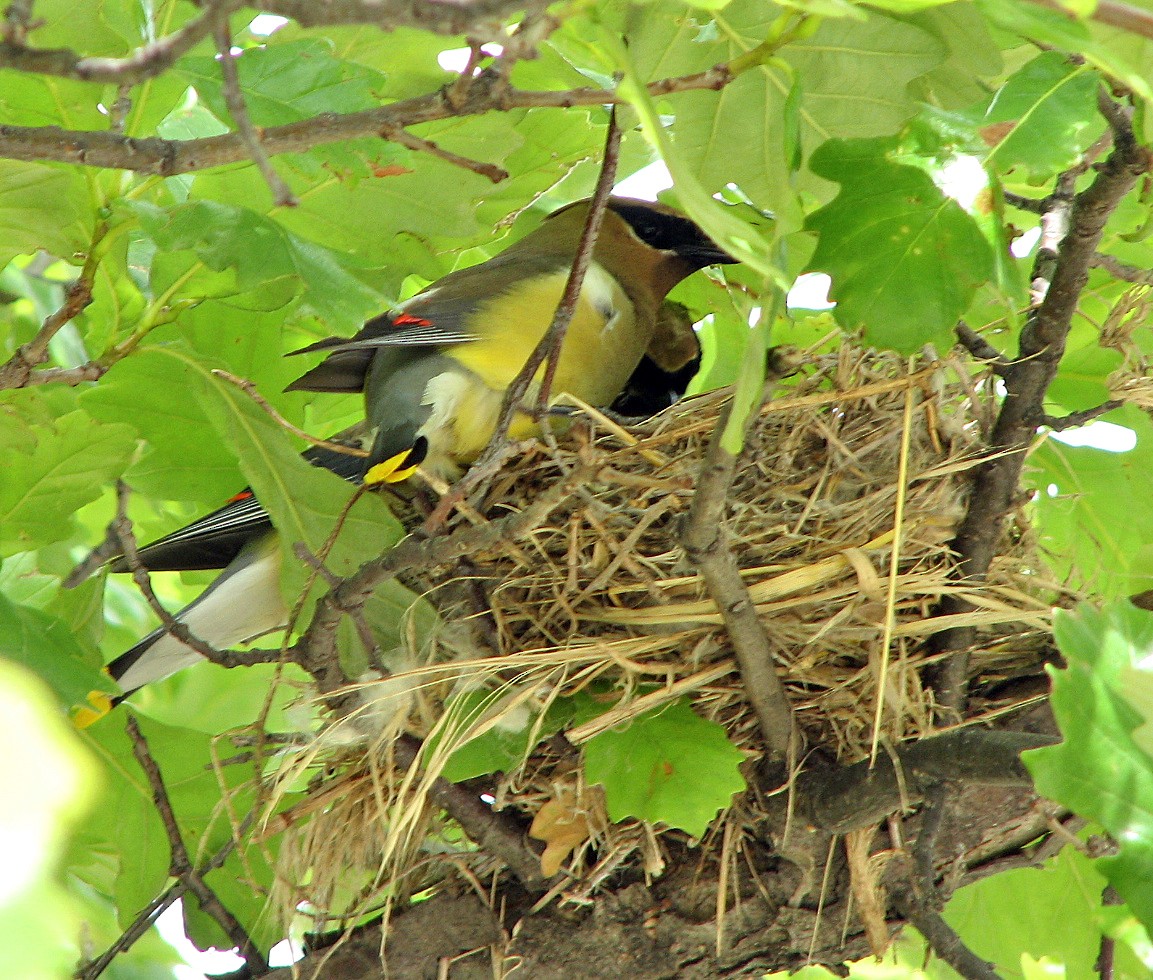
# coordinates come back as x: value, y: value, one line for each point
x: 703, y: 539
x: 315, y: 650
x: 282, y: 196
x: 402, y: 136
x: 250, y: 389
x: 180, y: 864
x: 127, y: 541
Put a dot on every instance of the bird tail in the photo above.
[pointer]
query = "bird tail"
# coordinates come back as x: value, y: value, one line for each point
x: 242, y: 604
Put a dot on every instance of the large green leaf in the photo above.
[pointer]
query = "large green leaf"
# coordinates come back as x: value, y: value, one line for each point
x: 1094, y: 511
x: 670, y: 767
x: 1043, y: 118
x: 42, y: 207
x: 905, y: 258
x: 256, y: 250
x: 68, y: 465
x: 1099, y: 770
x: 44, y: 645
x: 286, y: 82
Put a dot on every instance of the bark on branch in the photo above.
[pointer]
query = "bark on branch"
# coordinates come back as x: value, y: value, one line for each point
x: 996, y: 482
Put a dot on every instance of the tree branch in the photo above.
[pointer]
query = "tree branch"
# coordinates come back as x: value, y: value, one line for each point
x: 1027, y: 378
x: 477, y: 18
x: 496, y: 833
x: 703, y: 538
x: 144, y: 63
x: 1076, y: 419
x: 152, y: 155
x: 856, y: 796
x: 19, y: 370
x: 1122, y: 270
x: 180, y: 864
x: 238, y: 109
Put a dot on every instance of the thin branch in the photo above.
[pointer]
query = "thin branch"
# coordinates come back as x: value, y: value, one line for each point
x: 1042, y: 344
x: 497, y: 833
x: 980, y: 348
x: 19, y: 370
x: 703, y: 538
x: 152, y: 155
x: 254, y: 393
x: 282, y: 196
x: 396, y: 134
x: 180, y: 864
x: 1122, y: 270
x: 1076, y: 419
x: 1034, y: 205
x: 146, y: 62
x: 547, y: 350
x: 148, y: 915
x: 477, y: 18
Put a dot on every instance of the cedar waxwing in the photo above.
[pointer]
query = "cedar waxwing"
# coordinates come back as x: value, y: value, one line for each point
x: 434, y: 375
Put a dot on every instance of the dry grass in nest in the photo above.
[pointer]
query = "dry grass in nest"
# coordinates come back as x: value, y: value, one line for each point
x: 600, y: 598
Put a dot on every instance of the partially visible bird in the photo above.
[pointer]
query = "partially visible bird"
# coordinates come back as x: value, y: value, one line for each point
x: 434, y: 375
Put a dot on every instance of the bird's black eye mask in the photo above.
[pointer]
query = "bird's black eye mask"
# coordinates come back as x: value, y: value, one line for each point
x: 671, y: 233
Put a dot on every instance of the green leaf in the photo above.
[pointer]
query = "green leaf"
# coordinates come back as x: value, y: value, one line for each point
x: 904, y: 257
x: 1043, y: 118
x: 285, y: 82
x: 1098, y: 770
x: 256, y: 250
x: 44, y: 645
x: 670, y: 767
x: 69, y: 465
x: 1055, y: 29
x: 42, y: 207
x: 1052, y: 911
x: 186, y: 459
x: 506, y: 734
x: 1094, y: 511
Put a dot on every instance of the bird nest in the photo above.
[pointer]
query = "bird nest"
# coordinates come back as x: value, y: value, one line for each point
x: 849, y: 489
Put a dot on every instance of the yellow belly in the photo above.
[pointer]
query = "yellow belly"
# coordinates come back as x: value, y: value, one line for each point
x: 598, y: 354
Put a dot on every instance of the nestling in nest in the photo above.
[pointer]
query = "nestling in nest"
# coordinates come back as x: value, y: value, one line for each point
x: 597, y: 598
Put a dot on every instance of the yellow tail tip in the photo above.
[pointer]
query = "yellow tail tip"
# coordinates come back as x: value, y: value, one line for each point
x: 101, y: 704
x: 398, y: 468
